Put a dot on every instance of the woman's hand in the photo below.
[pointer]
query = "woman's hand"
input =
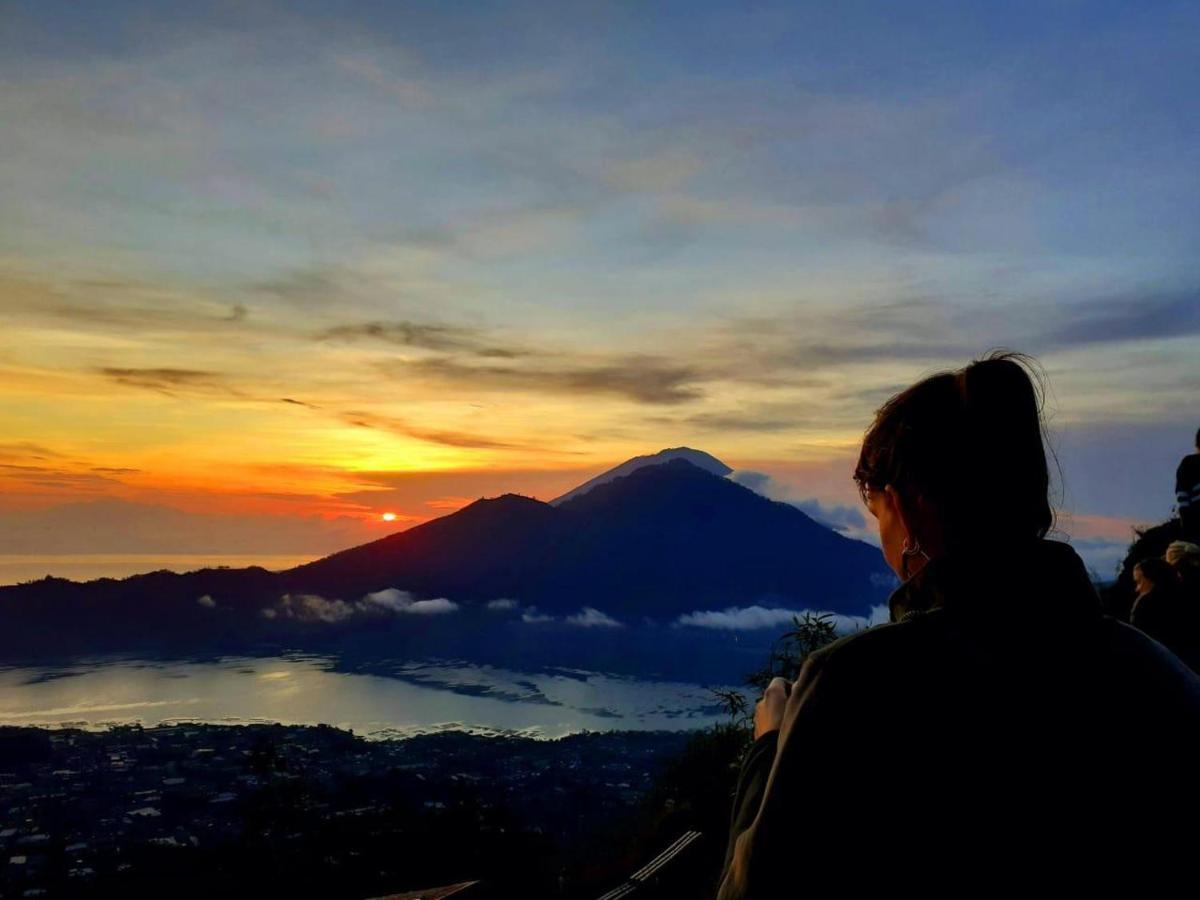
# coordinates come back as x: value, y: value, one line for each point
x: 768, y: 714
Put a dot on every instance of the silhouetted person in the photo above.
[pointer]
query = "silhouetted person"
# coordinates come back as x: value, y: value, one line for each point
x: 1000, y: 729
x: 1184, y: 558
x: 1162, y: 610
x: 1187, y: 493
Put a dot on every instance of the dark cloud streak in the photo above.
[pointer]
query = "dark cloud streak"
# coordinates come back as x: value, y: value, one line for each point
x: 644, y: 379
x: 446, y: 338
x: 164, y: 380
x: 1130, y: 319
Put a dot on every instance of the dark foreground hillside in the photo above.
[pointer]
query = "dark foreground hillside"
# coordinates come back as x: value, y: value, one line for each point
x: 201, y: 811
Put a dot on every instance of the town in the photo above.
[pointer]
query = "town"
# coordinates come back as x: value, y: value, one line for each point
x: 314, y: 810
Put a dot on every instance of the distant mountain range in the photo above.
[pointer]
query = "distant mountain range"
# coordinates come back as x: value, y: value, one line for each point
x: 658, y: 537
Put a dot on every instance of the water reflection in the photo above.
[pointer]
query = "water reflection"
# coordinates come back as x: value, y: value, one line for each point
x: 393, y: 699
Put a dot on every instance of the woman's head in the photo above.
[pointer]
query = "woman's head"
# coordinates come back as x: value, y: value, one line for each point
x: 958, y: 460
x: 1151, y: 573
x: 1183, y: 553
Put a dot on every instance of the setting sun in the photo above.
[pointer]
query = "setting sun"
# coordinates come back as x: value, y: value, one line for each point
x: 389, y: 517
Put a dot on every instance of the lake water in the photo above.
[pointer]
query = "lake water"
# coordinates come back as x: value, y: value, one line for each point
x: 394, y: 700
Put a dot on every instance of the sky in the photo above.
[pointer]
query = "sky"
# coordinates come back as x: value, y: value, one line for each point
x: 270, y: 270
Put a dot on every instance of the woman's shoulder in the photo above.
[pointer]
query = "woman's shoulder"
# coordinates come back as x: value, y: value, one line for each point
x: 880, y: 646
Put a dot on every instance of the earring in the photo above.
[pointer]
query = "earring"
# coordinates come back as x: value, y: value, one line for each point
x: 907, y: 553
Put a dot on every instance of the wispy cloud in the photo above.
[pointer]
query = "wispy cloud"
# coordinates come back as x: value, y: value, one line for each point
x: 837, y: 517
x: 1130, y: 318
x: 26, y: 450
x: 590, y: 617
x: 435, y: 436
x: 644, y: 379
x: 164, y: 380
x: 424, y: 335
x: 315, y: 608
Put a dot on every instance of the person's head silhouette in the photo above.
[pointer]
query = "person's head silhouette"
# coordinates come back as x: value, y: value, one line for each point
x: 956, y: 458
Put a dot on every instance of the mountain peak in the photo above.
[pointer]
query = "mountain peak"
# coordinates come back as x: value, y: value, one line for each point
x: 698, y: 458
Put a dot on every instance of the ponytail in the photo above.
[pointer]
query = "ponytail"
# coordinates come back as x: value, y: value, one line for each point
x: 970, y: 445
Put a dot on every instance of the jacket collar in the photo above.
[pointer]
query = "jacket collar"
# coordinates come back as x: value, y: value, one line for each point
x: 1045, y: 578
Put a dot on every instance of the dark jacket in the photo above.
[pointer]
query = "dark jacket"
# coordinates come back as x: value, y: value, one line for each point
x: 1170, y: 615
x: 999, y: 729
x: 1187, y: 495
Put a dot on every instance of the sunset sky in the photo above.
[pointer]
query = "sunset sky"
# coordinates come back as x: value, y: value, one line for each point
x: 284, y: 267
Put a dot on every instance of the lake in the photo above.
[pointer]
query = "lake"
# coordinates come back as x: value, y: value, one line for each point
x: 393, y: 699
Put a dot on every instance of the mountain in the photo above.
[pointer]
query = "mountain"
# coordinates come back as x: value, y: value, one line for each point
x: 697, y: 458
x: 663, y: 540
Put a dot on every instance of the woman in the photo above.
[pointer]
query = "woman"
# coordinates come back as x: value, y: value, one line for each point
x: 989, y: 731
x: 1165, y: 610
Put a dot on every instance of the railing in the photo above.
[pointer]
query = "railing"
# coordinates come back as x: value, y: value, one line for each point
x: 654, y: 870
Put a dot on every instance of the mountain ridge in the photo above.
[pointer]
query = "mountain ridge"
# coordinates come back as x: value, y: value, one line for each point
x: 654, y: 544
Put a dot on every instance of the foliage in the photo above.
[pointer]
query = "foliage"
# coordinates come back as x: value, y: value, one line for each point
x: 809, y: 633
x: 696, y: 790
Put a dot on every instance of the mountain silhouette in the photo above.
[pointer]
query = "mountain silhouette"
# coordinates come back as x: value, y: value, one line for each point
x: 698, y: 458
x: 663, y: 540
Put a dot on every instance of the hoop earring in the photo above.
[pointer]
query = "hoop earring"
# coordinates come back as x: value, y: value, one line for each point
x: 907, y: 553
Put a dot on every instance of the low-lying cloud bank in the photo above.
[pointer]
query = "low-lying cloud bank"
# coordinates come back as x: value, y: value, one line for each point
x: 753, y: 618
x: 590, y: 617
x: 839, y: 518
x: 587, y: 617
x: 314, y: 608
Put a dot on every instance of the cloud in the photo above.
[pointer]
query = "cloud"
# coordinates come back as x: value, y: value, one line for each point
x: 55, y: 479
x: 753, y: 618
x: 161, y: 379
x: 396, y: 425
x: 397, y: 601
x: 1131, y: 318
x: 448, y: 338
x: 314, y: 608
x: 436, y: 606
x: 207, y: 602
x: 839, y: 518
x: 444, y: 437
x: 642, y: 378
x: 589, y: 617
x: 26, y: 450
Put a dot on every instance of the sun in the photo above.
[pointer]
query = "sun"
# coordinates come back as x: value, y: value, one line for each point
x: 389, y: 517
